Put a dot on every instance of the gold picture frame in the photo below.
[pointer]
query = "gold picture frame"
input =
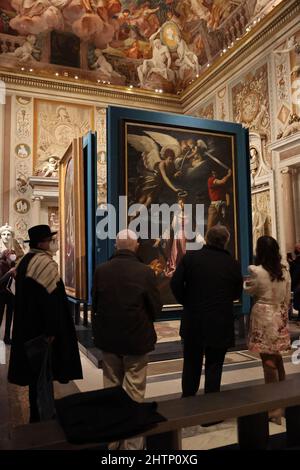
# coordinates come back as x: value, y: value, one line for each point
x: 72, y: 221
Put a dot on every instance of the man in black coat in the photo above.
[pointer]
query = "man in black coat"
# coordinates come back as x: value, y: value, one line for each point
x: 125, y: 303
x: 207, y: 282
x: 42, y: 315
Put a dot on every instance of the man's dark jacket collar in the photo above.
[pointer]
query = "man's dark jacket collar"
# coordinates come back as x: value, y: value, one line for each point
x: 215, y: 248
x: 126, y: 254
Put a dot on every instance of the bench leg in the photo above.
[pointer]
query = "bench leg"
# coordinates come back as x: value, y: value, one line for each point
x: 292, y: 416
x: 253, y: 431
x: 165, y: 441
x: 77, y: 313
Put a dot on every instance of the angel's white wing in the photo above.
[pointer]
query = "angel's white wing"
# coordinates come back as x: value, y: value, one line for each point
x: 163, y: 139
x: 148, y: 147
x: 166, y: 142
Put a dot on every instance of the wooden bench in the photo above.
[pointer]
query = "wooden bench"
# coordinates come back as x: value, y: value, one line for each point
x: 250, y: 405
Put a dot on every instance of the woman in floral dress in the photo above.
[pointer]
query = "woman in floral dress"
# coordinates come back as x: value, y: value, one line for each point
x: 270, y: 285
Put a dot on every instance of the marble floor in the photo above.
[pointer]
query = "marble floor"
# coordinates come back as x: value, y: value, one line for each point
x: 241, y: 368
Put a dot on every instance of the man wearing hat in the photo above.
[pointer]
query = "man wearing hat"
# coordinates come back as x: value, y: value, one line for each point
x: 42, y: 316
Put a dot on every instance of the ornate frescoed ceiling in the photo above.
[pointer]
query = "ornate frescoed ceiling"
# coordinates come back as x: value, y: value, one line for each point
x: 160, y: 45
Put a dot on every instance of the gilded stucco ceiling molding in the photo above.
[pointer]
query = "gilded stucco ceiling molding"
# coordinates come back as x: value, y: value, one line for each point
x: 110, y: 94
x: 272, y: 23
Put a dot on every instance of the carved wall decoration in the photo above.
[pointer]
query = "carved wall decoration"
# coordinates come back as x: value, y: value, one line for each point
x: 222, y: 110
x: 22, y: 150
x: 56, y: 124
x: 259, y: 165
x: 23, y: 172
x: 261, y: 215
x: 21, y: 164
x: 23, y: 100
x: 23, y: 124
x: 101, y: 126
x: 101, y: 178
x: 53, y: 218
x: 250, y: 101
x: 22, y: 206
x: 21, y: 228
x: 206, y: 111
x: 101, y: 156
x: 295, y: 74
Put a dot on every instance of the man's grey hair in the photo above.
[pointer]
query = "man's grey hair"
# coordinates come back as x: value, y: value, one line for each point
x: 127, y: 240
x: 218, y: 236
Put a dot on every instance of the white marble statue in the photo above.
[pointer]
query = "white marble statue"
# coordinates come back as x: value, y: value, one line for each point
x: 159, y: 64
x: 254, y: 163
x: 7, y: 240
x: 24, y: 52
x: 6, y: 237
x: 51, y: 168
x: 187, y: 60
x: 103, y: 66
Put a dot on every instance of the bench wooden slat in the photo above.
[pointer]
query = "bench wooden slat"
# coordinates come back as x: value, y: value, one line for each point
x: 212, y: 407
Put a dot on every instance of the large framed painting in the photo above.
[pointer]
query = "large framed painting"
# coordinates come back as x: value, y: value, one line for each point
x: 180, y: 161
x: 72, y: 220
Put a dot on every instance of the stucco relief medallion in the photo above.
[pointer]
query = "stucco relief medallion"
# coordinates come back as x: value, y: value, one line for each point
x: 22, y: 206
x: 22, y: 151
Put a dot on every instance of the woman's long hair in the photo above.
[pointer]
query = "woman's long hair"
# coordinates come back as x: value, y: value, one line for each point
x: 268, y: 256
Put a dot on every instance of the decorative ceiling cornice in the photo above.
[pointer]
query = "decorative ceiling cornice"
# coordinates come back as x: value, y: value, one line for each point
x: 107, y: 95
x: 264, y: 30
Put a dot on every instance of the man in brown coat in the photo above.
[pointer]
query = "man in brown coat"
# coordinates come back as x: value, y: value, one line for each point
x: 125, y: 303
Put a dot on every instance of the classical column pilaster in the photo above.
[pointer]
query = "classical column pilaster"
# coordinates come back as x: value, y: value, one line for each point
x: 36, y: 209
x: 288, y: 209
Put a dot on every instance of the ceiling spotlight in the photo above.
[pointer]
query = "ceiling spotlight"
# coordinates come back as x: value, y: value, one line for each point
x: 160, y: 91
x: 76, y: 77
x: 22, y: 68
x: 98, y: 81
x: 30, y: 70
x: 208, y: 65
x: 224, y: 50
x: 197, y: 75
x: 131, y: 86
x: 57, y: 74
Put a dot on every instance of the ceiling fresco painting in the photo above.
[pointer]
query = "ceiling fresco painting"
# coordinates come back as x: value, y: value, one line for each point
x: 159, y: 45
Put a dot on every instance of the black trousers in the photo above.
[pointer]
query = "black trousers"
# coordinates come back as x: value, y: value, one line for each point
x: 6, y: 299
x: 33, y: 406
x: 193, y: 354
